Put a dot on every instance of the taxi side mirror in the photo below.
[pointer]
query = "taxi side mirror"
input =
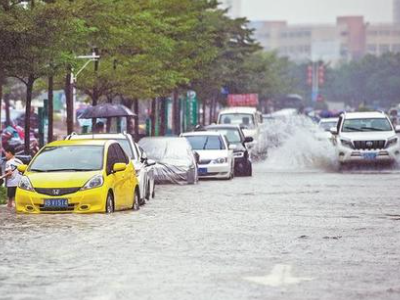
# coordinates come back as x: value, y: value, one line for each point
x: 397, y: 129
x: 119, y: 167
x: 22, y: 168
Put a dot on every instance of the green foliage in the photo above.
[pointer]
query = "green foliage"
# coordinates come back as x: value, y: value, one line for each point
x: 3, y: 195
x: 370, y: 81
x: 148, y: 48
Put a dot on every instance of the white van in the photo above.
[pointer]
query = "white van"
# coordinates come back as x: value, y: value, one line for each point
x: 250, y: 120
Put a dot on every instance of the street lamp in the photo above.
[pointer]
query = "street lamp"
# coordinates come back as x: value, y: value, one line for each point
x: 74, y: 76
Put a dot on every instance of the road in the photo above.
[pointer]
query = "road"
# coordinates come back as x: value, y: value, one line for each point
x: 284, y: 234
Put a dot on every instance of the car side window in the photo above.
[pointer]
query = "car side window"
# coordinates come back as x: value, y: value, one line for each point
x: 111, y: 158
x: 121, y: 156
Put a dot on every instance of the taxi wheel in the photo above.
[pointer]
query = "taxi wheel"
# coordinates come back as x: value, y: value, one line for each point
x: 136, y: 199
x: 110, y: 204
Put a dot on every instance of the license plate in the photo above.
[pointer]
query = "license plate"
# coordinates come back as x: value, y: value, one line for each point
x: 203, y: 171
x: 370, y: 156
x: 62, y: 203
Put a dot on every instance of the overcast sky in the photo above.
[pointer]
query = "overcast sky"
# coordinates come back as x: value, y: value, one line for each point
x: 312, y: 11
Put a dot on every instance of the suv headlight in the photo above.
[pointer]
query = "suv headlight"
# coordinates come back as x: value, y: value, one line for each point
x: 25, y: 184
x: 392, y: 142
x: 347, y: 144
x: 221, y: 160
x: 94, y: 182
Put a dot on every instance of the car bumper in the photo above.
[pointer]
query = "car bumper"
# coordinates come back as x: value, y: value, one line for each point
x: 83, y: 202
x: 368, y: 156
x: 215, y: 171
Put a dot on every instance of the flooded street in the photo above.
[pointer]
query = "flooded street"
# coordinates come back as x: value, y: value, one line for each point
x: 305, y: 234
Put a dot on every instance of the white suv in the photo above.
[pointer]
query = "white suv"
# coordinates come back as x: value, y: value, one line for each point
x: 366, y: 137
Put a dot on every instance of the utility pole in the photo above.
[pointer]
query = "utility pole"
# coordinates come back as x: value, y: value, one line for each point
x: 71, y: 89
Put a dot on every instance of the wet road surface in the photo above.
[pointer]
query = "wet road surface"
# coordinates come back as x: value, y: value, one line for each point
x: 284, y: 234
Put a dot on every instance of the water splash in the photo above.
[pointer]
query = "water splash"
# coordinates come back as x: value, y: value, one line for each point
x: 296, y: 143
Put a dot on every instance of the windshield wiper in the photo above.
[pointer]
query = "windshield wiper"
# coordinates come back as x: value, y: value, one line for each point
x: 352, y: 129
x: 372, y: 129
x: 38, y: 170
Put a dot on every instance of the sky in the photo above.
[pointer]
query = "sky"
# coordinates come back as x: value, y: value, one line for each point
x: 316, y: 11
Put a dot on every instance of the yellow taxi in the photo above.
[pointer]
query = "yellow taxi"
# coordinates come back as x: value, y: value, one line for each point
x: 81, y: 176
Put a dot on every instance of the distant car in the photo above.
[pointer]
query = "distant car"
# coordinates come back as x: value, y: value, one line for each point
x: 325, y: 126
x: 366, y: 137
x: 143, y: 167
x: 215, y: 158
x: 175, y: 161
x: 78, y: 177
x: 250, y: 120
x: 238, y: 143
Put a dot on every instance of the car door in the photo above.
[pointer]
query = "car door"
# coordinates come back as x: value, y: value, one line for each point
x: 127, y: 178
x: 117, y: 178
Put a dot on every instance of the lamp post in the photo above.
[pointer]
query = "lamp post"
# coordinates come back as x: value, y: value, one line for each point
x: 74, y: 77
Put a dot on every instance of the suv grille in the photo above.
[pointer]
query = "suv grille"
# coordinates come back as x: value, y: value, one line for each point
x: 369, y: 145
x: 57, y: 192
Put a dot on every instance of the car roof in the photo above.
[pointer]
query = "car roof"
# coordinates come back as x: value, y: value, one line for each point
x: 79, y: 143
x: 364, y: 115
x: 329, y: 120
x: 238, y: 110
x: 101, y: 136
x: 201, y: 133
x: 223, y: 126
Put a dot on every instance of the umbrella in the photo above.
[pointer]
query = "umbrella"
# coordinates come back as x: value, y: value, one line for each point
x: 106, y: 110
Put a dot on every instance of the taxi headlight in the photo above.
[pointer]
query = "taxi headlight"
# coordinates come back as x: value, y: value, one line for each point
x: 392, y: 142
x: 25, y: 184
x: 95, y: 182
x: 221, y: 160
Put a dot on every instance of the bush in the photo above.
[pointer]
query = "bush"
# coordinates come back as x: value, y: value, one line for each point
x: 3, y: 195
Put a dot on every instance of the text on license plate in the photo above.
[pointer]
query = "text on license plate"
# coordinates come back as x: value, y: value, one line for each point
x: 370, y: 156
x: 56, y: 203
x: 203, y: 171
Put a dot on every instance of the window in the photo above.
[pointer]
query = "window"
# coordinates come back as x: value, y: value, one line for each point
x: 206, y: 142
x: 367, y: 125
x: 69, y: 158
x: 384, y: 48
x: 121, y: 155
x: 112, y: 158
x: 246, y: 120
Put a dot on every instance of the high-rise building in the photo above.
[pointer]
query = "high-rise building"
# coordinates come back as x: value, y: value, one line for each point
x: 396, y: 11
x: 234, y: 6
x: 350, y: 38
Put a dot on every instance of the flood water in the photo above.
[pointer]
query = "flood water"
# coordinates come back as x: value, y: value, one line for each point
x: 299, y: 229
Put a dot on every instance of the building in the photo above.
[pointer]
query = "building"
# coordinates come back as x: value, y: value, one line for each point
x: 396, y: 11
x: 234, y: 6
x: 350, y: 38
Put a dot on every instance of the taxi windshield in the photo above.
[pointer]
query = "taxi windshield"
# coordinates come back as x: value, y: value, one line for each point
x: 68, y: 158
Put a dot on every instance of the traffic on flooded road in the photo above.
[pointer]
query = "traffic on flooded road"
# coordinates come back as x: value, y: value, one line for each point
x: 299, y: 227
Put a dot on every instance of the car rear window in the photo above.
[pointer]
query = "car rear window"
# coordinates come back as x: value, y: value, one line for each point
x: 206, y: 142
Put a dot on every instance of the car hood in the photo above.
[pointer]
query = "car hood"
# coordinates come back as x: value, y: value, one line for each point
x: 367, y: 136
x: 60, y: 179
x: 212, y: 154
